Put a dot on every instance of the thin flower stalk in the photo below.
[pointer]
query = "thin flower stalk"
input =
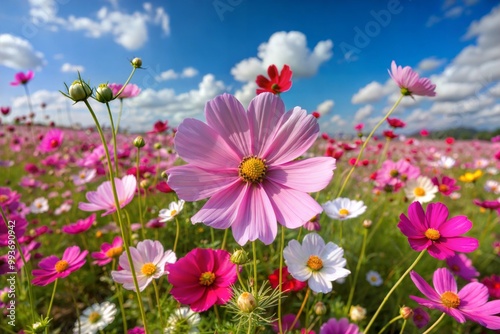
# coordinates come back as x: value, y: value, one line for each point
x: 365, y: 143
x: 306, y: 297
x: 141, y: 219
x: 356, y: 273
x: 113, y: 132
x: 280, y: 285
x: 393, y: 320
x: 386, y: 298
x: 430, y: 329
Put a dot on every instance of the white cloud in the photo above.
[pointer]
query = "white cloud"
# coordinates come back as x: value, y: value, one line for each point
x: 372, y: 92
x: 189, y: 72
x: 430, y: 64
x: 167, y: 75
x: 363, y: 113
x: 18, y: 53
x: 67, y: 67
x: 337, y: 120
x: 128, y: 30
x: 454, y: 12
x: 285, y: 48
x: 246, y: 93
x: 325, y: 107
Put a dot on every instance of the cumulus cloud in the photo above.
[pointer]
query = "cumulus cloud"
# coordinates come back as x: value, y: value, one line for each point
x: 189, y: 72
x: 363, y: 113
x: 67, y: 67
x: 285, y: 48
x: 170, y: 74
x: 430, y: 64
x: 374, y: 92
x: 19, y: 54
x: 246, y: 93
x: 325, y: 107
x: 128, y: 30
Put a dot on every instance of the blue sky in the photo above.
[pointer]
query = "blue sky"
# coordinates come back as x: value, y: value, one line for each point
x: 193, y: 50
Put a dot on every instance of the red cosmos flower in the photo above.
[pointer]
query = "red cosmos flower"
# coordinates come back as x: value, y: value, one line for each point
x: 278, y: 83
x: 396, y: 123
x: 5, y: 110
x: 163, y: 187
x: 159, y: 127
x: 449, y: 140
x: 424, y: 133
x: 359, y: 127
x: 389, y: 134
x: 316, y: 114
x: 290, y: 284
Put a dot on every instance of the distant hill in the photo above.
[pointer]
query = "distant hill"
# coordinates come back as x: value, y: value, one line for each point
x: 462, y: 133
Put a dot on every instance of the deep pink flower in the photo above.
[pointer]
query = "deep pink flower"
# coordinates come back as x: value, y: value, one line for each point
x: 108, y: 252
x: 136, y: 330
x: 18, y: 228
x: 286, y: 323
x: 130, y: 90
x: 5, y: 110
x: 277, y: 83
x: 446, y: 186
x: 149, y: 260
x: 202, y: 278
x: 52, y: 268
x: 410, y: 82
x: 103, y: 199
x: 80, y: 226
x: 420, y: 317
x: 433, y: 231
x: 341, y: 326
x: 389, y: 134
x: 159, y: 127
x: 22, y: 79
x: 470, y: 303
x: 396, y: 123
x: 359, y: 127
x: 424, y: 132
x: 247, y: 163
x: 493, y: 284
x: 490, y: 205
x: 290, y: 284
x: 461, y: 266
x: 51, y: 141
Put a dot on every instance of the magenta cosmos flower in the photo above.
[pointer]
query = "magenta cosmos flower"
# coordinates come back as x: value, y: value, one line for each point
x: 51, y: 141
x: 22, y: 79
x: 246, y: 163
x: 108, y: 252
x: 149, y: 260
x: 470, y: 303
x: 433, y: 231
x: 410, y: 82
x: 202, y: 278
x: 51, y: 268
x: 80, y: 226
x: 341, y: 326
x: 103, y: 199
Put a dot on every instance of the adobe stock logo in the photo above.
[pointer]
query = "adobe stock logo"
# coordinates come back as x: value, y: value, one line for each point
x: 372, y: 29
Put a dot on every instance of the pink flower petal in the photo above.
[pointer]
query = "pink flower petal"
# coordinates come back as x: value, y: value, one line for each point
x: 443, y: 280
x: 455, y: 226
x: 436, y: 214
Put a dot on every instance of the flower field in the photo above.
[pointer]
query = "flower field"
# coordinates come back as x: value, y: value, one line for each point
x: 253, y: 220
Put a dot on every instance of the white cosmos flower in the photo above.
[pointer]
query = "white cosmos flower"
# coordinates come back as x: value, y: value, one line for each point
x: 315, y: 262
x: 173, y: 210
x: 183, y: 321
x: 84, y: 176
x: 374, y: 278
x: 344, y: 208
x: 95, y: 318
x: 39, y: 205
x: 446, y: 162
x: 420, y: 189
x: 492, y: 186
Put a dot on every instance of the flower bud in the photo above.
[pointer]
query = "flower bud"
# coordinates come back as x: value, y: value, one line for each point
x: 406, y: 312
x: 239, y: 257
x: 103, y: 93
x: 79, y: 91
x: 367, y: 223
x: 157, y: 146
x: 319, y: 308
x: 136, y: 62
x: 139, y: 142
x: 357, y: 313
x: 145, y: 184
x: 164, y: 175
x: 246, y: 302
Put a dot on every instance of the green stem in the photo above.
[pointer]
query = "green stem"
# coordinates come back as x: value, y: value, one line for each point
x: 177, y: 232
x: 392, y: 290
x: 403, y: 327
x: 120, y: 300
x: 365, y: 143
x: 117, y: 129
x: 126, y: 83
x: 282, y: 246
x: 389, y: 323
x: 113, y: 132
x: 52, y: 297
x: 435, y: 324
x: 239, y: 276
x: 141, y: 220
x: 358, y: 267
x: 301, y: 308
x: 224, y: 239
x: 254, y: 251
x: 119, y: 216
x: 160, y: 313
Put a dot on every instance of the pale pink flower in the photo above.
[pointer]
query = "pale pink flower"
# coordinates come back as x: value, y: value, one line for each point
x: 410, y: 82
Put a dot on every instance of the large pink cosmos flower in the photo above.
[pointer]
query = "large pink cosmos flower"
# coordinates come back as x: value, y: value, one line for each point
x: 51, y: 141
x: 246, y: 163
x: 410, y: 82
x: 471, y: 302
x: 22, y: 79
x: 433, y: 231
x: 202, y: 278
x: 108, y: 252
x: 103, y: 199
x: 80, y: 226
x: 149, y: 259
x: 52, y: 268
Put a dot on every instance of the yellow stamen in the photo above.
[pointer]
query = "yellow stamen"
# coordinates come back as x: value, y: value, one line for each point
x: 94, y: 317
x: 450, y: 299
x: 432, y: 234
x: 61, y: 266
x: 252, y: 169
x: 148, y: 269
x: 418, y: 191
x: 207, y: 278
x: 3, y: 198
x: 343, y: 212
x: 314, y: 263
x: 443, y: 188
x: 114, y: 252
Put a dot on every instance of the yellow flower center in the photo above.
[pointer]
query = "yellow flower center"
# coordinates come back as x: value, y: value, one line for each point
x: 252, y: 169
x: 207, y: 278
x: 343, y: 212
x: 432, y: 234
x: 82, y: 175
x: 38, y: 205
x: 3, y: 198
x: 148, y: 269
x: 314, y: 263
x: 115, y: 252
x: 450, y: 299
x: 173, y: 213
x: 443, y: 188
x: 61, y: 266
x: 394, y: 173
x: 419, y: 191
x: 94, y: 317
